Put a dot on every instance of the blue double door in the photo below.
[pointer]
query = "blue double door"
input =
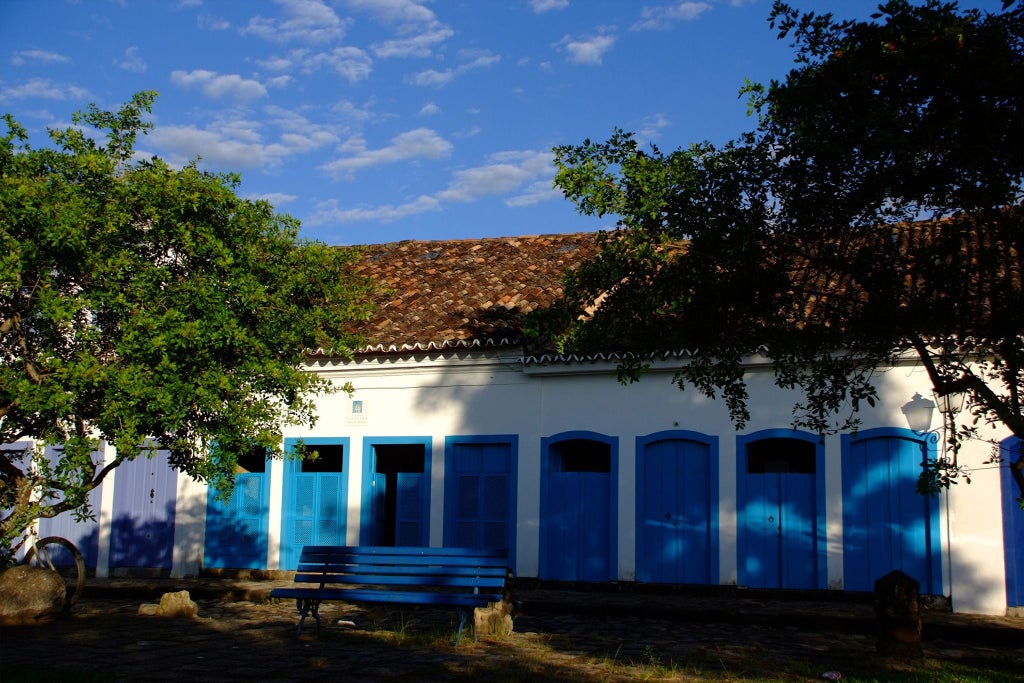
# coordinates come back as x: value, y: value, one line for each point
x: 396, y: 492
x: 236, y: 527
x: 887, y: 525
x: 480, y: 497
x: 677, y: 508
x: 781, y: 514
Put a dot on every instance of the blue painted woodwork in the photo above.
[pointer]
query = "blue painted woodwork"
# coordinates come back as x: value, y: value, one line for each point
x: 480, y: 501
x: 1013, y: 526
x: 887, y: 525
x: 411, y: 518
x: 463, y: 578
x: 315, y: 498
x: 578, y: 507
x: 236, y: 529
x: 142, y: 530
x: 677, y: 508
x: 85, y: 533
x: 395, y: 507
x: 781, y: 510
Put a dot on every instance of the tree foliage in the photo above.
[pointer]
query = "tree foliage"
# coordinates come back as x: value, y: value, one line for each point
x: 873, y: 212
x: 142, y: 306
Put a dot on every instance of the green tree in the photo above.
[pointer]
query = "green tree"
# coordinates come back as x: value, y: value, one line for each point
x: 144, y: 306
x: 873, y: 213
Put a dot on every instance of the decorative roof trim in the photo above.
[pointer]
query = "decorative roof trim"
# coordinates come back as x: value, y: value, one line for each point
x: 420, y: 347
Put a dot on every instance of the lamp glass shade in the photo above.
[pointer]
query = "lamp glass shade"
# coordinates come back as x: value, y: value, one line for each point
x: 953, y: 402
x: 918, y: 412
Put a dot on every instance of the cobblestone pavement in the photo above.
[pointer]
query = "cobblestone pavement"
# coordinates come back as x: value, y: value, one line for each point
x: 559, y: 635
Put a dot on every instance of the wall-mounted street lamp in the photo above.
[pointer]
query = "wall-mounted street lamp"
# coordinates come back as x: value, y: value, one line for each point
x: 918, y: 410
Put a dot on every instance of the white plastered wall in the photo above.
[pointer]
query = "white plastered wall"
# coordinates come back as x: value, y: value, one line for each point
x: 487, y: 393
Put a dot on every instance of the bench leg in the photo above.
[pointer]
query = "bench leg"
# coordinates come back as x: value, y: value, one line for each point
x: 305, y: 606
x: 463, y: 615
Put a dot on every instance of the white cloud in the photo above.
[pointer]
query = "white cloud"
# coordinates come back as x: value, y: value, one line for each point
x: 45, y: 89
x: 421, y: 143
x: 429, y: 109
x: 589, y: 51
x: 402, y: 12
x: 132, y: 61
x: 329, y: 212
x: 433, y: 78
x: 506, y: 172
x: 276, y: 63
x: 535, y: 193
x: 25, y: 56
x: 306, y: 21
x: 651, y: 127
x: 208, y: 22
x: 541, y: 6
x: 478, y: 59
x: 354, y: 112
x: 239, y: 143
x: 219, y: 86
x: 418, y: 44
x: 275, y: 199
x: 350, y: 63
x: 416, y: 27
x: 661, y: 18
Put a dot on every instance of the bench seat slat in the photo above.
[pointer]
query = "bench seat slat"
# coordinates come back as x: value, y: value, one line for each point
x: 406, y: 580
x: 412, y: 551
x: 314, y: 570
x: 390, y: 596
x: 401, y: 561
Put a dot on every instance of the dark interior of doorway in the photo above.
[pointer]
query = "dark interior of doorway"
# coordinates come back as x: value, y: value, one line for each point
x: 391, y: 460
x: 780, y: 455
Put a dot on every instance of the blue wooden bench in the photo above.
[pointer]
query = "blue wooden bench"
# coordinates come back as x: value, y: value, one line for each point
x: 463, y: 578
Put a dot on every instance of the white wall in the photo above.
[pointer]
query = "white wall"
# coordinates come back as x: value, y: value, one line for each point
x: 492, y: 394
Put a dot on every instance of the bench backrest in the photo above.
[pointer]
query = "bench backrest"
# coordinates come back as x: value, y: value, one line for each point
x: 466, y: 569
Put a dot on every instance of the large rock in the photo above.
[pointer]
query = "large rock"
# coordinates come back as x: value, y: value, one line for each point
x: 171, y: 605
x: 28, y: 594
x: 494, y: 620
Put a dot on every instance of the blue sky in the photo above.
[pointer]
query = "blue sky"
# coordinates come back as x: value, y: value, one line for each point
x: 381, y: 120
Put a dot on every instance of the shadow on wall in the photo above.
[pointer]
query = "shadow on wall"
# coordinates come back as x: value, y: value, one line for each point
x: 142, y: 543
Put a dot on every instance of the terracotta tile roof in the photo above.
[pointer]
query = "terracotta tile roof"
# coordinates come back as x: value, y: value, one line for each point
x: 456, y: 293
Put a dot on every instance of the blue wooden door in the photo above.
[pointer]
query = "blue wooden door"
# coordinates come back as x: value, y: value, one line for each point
x: 84, y: 534
x: 397, y: 516
x: 478, y: 496
x: 887, y: 525
x: 677, y: 511
x: 236, y: 529
x: 396, y: 492
x: 780, y: 535
x: 142, y: 529
x: 577, y: 511
x: 410, y: 501
x: 777, y: 539
x: 315, y: 498
x: 1013, y: 527
x: 577, y: 535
